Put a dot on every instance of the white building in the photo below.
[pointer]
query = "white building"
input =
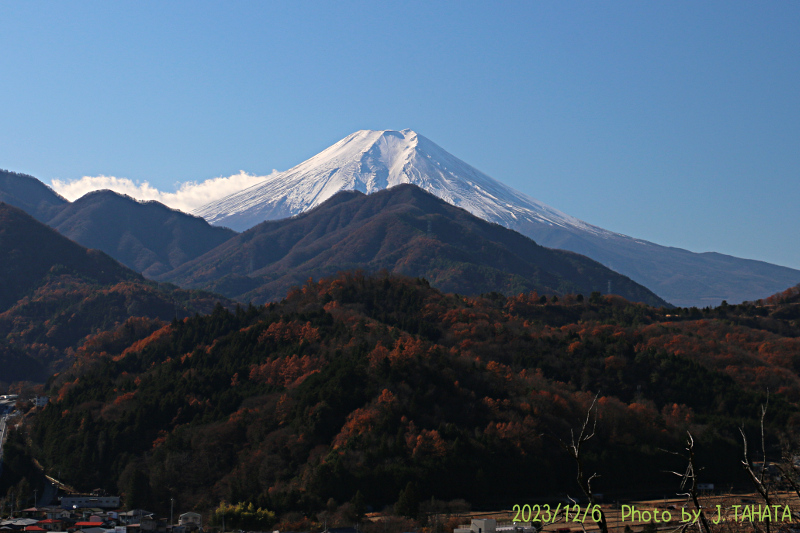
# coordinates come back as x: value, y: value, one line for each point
x: 191, y: 520
x: 82, y: 501
x: 489, y: 525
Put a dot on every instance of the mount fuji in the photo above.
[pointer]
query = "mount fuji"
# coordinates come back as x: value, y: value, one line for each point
x: 369, y: 161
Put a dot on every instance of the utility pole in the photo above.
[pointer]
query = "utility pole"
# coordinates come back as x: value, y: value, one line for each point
x: 35, y: 496
x: 171, y: 504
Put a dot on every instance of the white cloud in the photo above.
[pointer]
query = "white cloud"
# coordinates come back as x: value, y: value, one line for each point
x: 189, y: 195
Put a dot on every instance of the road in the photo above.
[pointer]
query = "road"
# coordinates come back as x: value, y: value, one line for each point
x: 2, y: 438
x: 6, y: 406
x: 49, y: 494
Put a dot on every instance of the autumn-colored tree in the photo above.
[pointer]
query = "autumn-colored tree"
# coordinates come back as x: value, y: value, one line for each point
x: 242, y: 516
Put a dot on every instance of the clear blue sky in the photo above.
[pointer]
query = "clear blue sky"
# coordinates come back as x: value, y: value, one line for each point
x: 676, y: 122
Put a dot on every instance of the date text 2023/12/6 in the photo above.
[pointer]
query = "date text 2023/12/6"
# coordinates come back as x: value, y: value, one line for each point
x: 547, y: 515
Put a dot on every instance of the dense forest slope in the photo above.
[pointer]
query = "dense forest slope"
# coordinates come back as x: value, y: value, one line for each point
x: 403, y: 230
x: 369, y: 383
x: 54, y: 292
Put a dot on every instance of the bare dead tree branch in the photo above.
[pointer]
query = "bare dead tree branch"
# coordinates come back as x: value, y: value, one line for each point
x: 690, y: 477
x: 574, y: 448
x: 758, y: 480
x: 790, y: 479
x: 790, y: 472
x: 692, y: 471
x: 763, y: 445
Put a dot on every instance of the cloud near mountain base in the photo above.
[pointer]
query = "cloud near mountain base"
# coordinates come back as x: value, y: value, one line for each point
x: 189, y: 195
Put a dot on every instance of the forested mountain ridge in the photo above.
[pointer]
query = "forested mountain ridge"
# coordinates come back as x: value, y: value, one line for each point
x: 370, y: 382
x: 406, y: 232
x: 403, y: 230
x: 54, y: 292
x: 30, y: 250
x: 30, y: 195
x: 147, y: 237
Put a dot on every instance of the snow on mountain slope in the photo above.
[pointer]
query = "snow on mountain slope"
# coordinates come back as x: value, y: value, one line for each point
x: 369, y: 161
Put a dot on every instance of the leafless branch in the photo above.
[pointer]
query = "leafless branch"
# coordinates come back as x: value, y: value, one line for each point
x: 758, y: 480
x: 790, y: 479
x: 574, y: 449
x: 763, y: 446
x: 689, y: 477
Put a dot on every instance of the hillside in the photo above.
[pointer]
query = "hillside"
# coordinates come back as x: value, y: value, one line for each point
x: 30, y: 195
x: 404, y: 230
x: 369, y: 383
x: 370, y: 161
x: 18, y: 366
x: 54, y: 292
x: 147, y: 237
x: 30, y: 251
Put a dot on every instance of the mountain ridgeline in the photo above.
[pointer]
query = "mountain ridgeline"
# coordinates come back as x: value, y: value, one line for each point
x: 403, y: 230
x: 369, y: 161
x: 147, y: 237
x: 30, y: 195
x: 158, y: 241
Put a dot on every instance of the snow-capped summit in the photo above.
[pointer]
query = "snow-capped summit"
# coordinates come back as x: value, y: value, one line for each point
x: 370, y: 161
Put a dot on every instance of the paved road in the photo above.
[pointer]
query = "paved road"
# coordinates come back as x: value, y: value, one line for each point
x: 5, y: 409
x: 49, y: 494
x: 50, y: 491
x: 2, y: 432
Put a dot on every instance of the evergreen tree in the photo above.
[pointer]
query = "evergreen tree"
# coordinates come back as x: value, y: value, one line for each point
x: 408, y: 502
x: 137, y: 490
x: 359, y: 507
x: 24, y: 493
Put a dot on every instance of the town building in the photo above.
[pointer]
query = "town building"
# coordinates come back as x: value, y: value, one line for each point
x: 82, y: 501
x: 191, y: 521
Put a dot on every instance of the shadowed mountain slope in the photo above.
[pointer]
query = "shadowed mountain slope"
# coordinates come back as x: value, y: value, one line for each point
x: 54, y: 293
x: 16, y: 365
x: 403, y: 230
x: 682, y: 277
x: 30, y: 195
x: 148, y: 237
x: 30, y: 251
